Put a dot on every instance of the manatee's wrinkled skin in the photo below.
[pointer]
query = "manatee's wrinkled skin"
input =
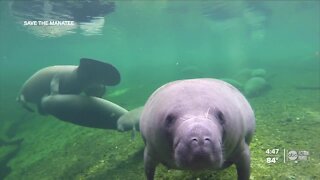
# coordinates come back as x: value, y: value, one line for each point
x: 197, y: 124
x: 90, y: 76
x: 130, y: 120
x: 83, y: 110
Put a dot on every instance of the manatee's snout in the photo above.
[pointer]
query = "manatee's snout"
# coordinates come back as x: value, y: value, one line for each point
x: 120, y: 128
x: 198, y: 145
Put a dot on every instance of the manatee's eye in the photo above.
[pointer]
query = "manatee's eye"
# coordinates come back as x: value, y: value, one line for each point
x: 220, y: 117
x: 170, y: 119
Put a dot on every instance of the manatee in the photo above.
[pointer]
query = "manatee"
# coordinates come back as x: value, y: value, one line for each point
x: 97, y: 90
x: 91, y: 76
x: 119, y: 92
x: 233, y: 82
x: 243, y: 75
x: 259, y: 73
x: 130, y: 121
x: 197, y: 124
x: 255, y: 86
x: 83, y: 110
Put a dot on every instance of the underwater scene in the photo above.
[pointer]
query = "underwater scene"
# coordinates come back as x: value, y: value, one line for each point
x: 165, y: 89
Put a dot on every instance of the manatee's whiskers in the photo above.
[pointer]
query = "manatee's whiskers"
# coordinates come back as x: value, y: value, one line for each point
x: 184, y: 118
x: 188, y: 116
x: 207, y: 113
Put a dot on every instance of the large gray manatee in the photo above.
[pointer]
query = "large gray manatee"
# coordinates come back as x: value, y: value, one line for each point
x: 197, y: 124
x: 83, y: 110
x: 91, y: 76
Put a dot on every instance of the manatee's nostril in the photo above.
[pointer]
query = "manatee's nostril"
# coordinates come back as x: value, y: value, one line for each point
x: 200, y: 141
x: 194, y: 141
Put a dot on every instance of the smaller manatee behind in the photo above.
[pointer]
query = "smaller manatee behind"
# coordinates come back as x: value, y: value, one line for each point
x: 259, y: 73
x: 234, y: 83
x: 130, y: 120
x: 255, y: 86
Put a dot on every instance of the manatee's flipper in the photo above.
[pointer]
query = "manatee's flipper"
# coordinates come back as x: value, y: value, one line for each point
x: 24, y: 104
x: 54, y: 85
x: 41, y: 111
x: 243, y: 163
x: 95, y: 90
x: 133, y: 133
x: 97, y: 72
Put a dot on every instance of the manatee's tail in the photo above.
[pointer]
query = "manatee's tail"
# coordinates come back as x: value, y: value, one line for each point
x: 97, y: 72
x: 96, y: 90
x: 24, y: 104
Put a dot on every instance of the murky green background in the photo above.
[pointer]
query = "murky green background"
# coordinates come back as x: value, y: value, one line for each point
x: 152, y: 43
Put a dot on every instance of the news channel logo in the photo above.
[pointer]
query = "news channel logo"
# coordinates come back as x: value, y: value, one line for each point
x: 297, y: 156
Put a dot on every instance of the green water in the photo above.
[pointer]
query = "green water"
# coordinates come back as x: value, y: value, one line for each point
x: 152, y: 43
